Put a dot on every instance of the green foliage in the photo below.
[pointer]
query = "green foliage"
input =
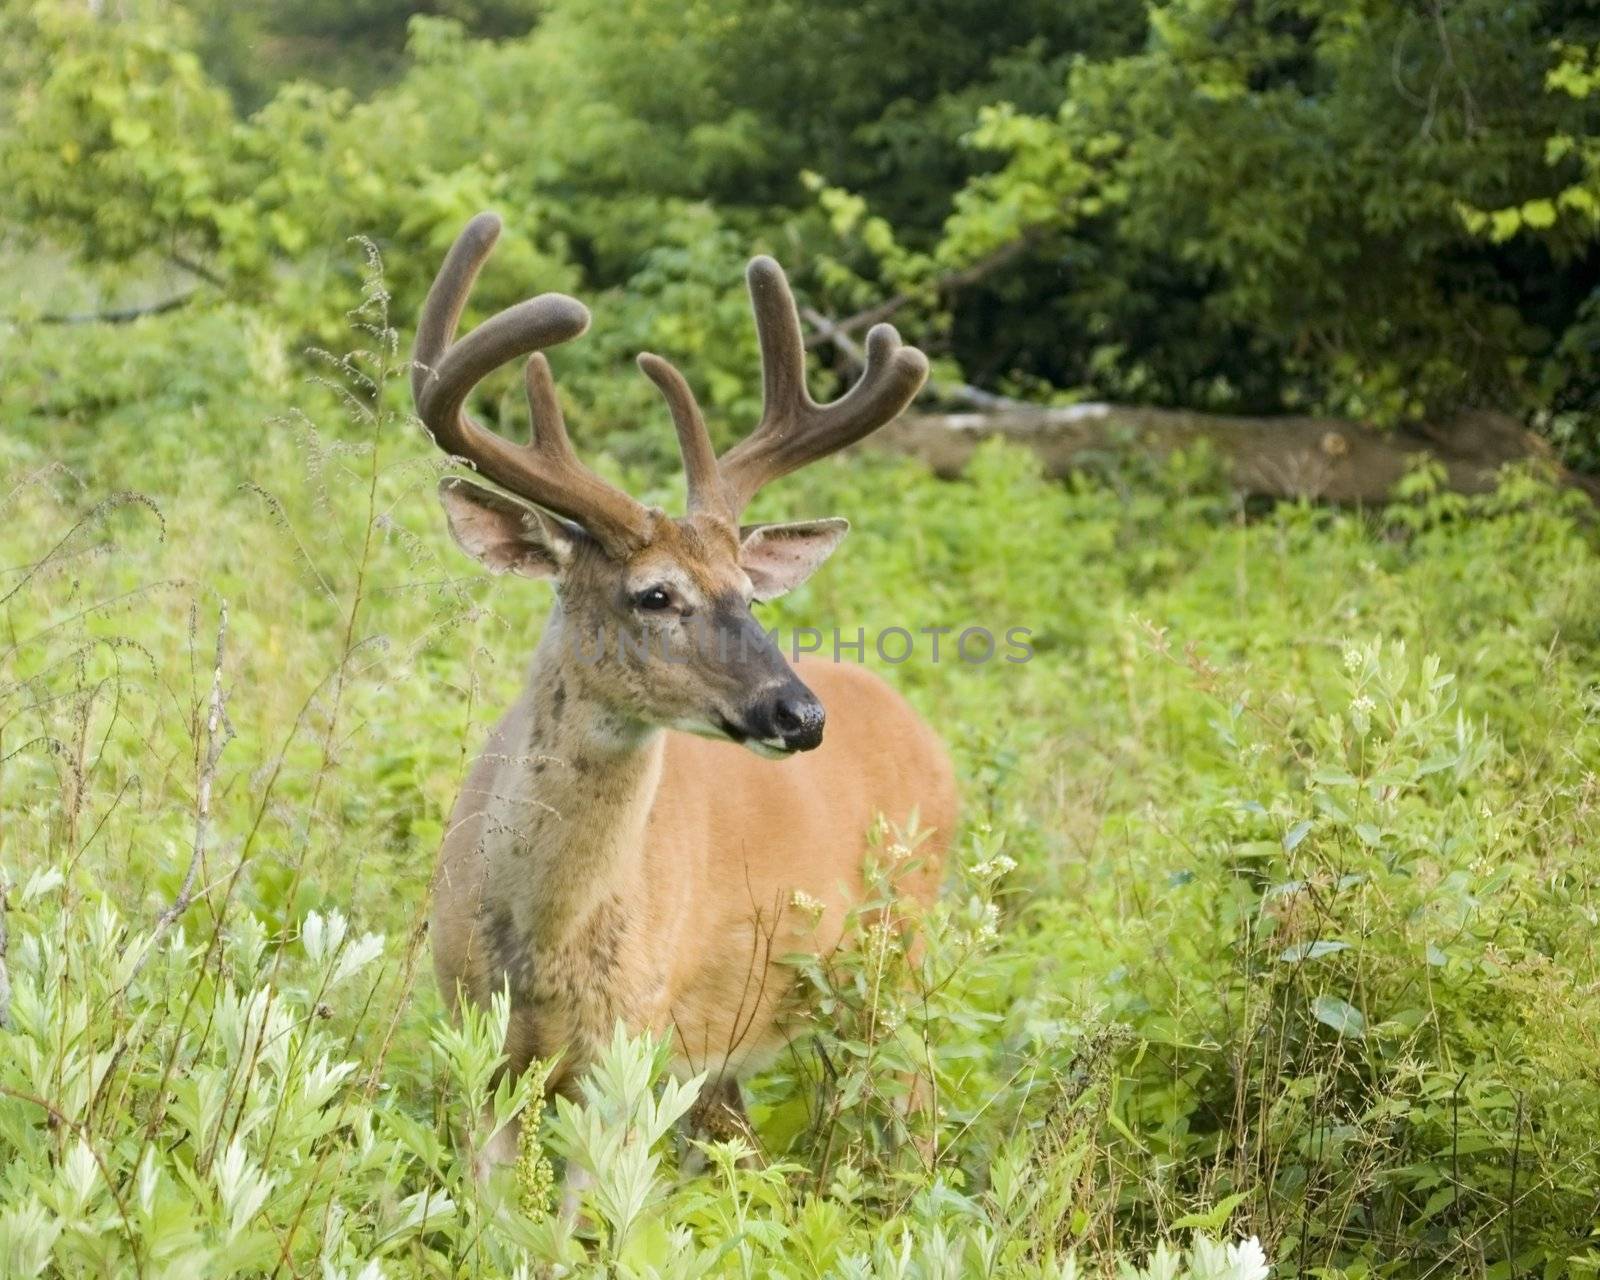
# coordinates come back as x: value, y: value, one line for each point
x: 117, y: 142
x: 1265, y: 921
x: 361, y: 44
x: 1266, y: 210
x: 1324, y: 206
x: 1271, y: 913
x: 125, y: 149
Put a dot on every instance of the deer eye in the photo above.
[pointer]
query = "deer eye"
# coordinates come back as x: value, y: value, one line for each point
x: 652, y: 600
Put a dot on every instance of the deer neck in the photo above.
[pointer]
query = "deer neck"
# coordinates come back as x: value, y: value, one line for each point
x: 580, y: 795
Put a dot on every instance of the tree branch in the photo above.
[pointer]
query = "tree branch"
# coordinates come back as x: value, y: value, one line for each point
x: 1325, y: 459
x: 218, y: 733
x: 196, y: 269
x: 953, y: 282
x: 962, y: 393
x: 118, y: 315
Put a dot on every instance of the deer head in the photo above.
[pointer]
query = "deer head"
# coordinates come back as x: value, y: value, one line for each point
x: 658, y: 608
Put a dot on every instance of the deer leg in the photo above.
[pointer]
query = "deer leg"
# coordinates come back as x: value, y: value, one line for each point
x: 718, y: 1115
x: 573, y: 1184
x: 502, y: 1147
x: 574, y: 1179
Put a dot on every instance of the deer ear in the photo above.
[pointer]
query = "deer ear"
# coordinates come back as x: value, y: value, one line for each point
x: 779, y: 557
x: 505, y: 536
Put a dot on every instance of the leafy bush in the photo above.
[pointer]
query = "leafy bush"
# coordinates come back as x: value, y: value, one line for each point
x: 1380, y: 213
x: 190, y: 1107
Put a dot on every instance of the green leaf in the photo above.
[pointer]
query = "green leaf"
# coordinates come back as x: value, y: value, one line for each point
x: 1294, y: 835
x: 1213, y: 1219
x: 1339, y: 1014
x: 1539, y: 214
x: 1504, y: 223
x: 1311, y: 950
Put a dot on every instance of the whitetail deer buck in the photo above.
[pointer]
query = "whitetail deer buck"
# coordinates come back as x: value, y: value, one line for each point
x: 615, y: 854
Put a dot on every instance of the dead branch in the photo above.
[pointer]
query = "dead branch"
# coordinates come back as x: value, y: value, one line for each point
x: 119, y: 315
x: 944, y: 392
x: 1326, y: 459
x: 218, y: 733
x: 953, y: 282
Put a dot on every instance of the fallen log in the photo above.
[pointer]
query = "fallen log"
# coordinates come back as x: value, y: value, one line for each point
x: 1325, y: 459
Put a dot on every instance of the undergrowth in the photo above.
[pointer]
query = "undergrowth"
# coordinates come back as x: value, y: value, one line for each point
x: 1273, y: 914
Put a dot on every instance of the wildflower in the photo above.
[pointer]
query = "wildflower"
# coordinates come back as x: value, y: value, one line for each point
x: 989, y: 927
x: 992, y: 868
x: 803, y: 901
x: 535, y: 1176
x: 1352, y: 660
x: 1363, y: 705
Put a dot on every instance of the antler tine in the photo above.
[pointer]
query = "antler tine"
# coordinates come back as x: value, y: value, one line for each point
x: 694, y: 441
x: 441, y: 311
x: 795, y: 429
x: 546, y: 471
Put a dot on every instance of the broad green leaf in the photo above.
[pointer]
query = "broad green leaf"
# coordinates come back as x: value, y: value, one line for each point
x: 1213, y: 1219
x: 1539, y: 214
x: 1312, y: 950
x: 1339, y: 1014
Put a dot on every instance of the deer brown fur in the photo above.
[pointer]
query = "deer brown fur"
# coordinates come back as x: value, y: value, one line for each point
x: 647, y: 831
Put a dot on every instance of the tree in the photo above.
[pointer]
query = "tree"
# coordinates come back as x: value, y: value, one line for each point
x: 1265, y: 209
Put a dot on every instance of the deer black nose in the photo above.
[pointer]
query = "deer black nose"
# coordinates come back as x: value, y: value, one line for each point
x: 798, y: 717
x: 793, y: 716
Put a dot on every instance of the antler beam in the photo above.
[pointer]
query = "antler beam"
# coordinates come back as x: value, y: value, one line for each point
x: 794, y: 429
x: 545, y: 471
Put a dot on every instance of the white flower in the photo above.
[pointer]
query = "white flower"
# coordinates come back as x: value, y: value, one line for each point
x: 356, y: 957
x: 992, y: 868
x: 1363, y: 705
x: 1209, y: 1260
x: 324, y: 938
x: 41, y: 882
x: 322, y: 934
x: 322, y: 1080
x: 803, y: 901
x: 1352, y: 660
